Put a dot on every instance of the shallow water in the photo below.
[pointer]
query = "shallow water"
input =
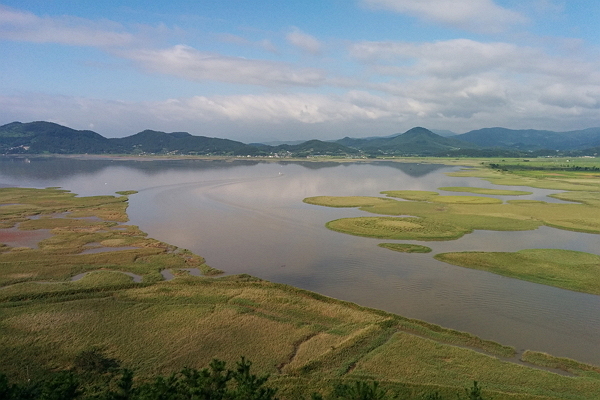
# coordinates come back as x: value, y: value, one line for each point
x: 247, y: 217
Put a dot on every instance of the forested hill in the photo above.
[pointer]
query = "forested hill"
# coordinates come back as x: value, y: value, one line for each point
x: 156, y: 142
x: 46, y: 137
x: 531, y: 139
x: 416, y: 141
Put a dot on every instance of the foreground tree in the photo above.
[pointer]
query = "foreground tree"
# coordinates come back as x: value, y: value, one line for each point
x: 98, y: 379
x: 212, y: 383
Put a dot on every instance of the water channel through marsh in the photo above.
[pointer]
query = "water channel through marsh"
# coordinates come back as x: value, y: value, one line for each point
x: 248, y: 217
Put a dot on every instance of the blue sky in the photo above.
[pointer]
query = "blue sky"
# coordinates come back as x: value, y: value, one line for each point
x: 274, y: 70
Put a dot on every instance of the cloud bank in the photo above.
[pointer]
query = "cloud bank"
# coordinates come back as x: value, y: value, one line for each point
x: 482, y: 16
x: 188, y: 63
x: 23, y: 26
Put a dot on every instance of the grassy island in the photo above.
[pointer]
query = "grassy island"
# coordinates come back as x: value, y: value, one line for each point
x: 495, y: 192
x: 573, y: 270
x: 93, y: 282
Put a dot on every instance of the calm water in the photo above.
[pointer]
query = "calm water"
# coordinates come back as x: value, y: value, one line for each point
x: 248, y: 217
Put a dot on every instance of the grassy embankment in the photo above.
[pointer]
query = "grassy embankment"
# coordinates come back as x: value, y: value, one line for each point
x: 427, y: 215
x: 305, y: 340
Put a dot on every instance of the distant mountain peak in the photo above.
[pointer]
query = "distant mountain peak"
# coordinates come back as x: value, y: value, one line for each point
x: 419, y: 130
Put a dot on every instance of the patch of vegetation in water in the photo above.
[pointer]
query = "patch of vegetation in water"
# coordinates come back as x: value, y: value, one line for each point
x: 444, y: 221
x: 126, y: 192
x: 495, y: 192
x: 414, y: 195
x: 466, y: 200
x: 397, y: 228
x: 405, y: 247
x: 345, y: 201
x: 566, y: 269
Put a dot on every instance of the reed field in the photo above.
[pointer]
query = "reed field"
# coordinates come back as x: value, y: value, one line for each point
x: 398, y: 228
x: 414, y: 195
x: 496, y: 192
x: 570, y: 174
x: 306, y: 341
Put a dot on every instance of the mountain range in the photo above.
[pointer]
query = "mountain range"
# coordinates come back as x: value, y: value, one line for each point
x: 46, y: 137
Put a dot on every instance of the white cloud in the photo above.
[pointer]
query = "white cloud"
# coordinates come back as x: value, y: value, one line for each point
x: 571, y: 96
x: 279, y: 108
x: 188, y: 63
x: 27, y: 27
x: 304, y: 41
x: 473, y: 15
x: 264, y: 44
x: 465, y: 79
x: 270, y: 112
x: 460, y: 105
x: 463, y: 57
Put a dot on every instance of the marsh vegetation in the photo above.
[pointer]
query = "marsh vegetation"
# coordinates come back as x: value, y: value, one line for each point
x: 304, y: 340
x: 561, y: 268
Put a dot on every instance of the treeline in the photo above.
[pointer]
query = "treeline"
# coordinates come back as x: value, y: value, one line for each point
x: 97, y: 377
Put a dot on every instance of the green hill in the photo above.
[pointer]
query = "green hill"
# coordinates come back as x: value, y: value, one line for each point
x: 532, y: 139
x: 157, y: 142
x: 416, y: 141
x: 47, y: 137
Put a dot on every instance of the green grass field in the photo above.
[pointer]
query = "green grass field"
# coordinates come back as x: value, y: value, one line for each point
x: 304, y: 340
